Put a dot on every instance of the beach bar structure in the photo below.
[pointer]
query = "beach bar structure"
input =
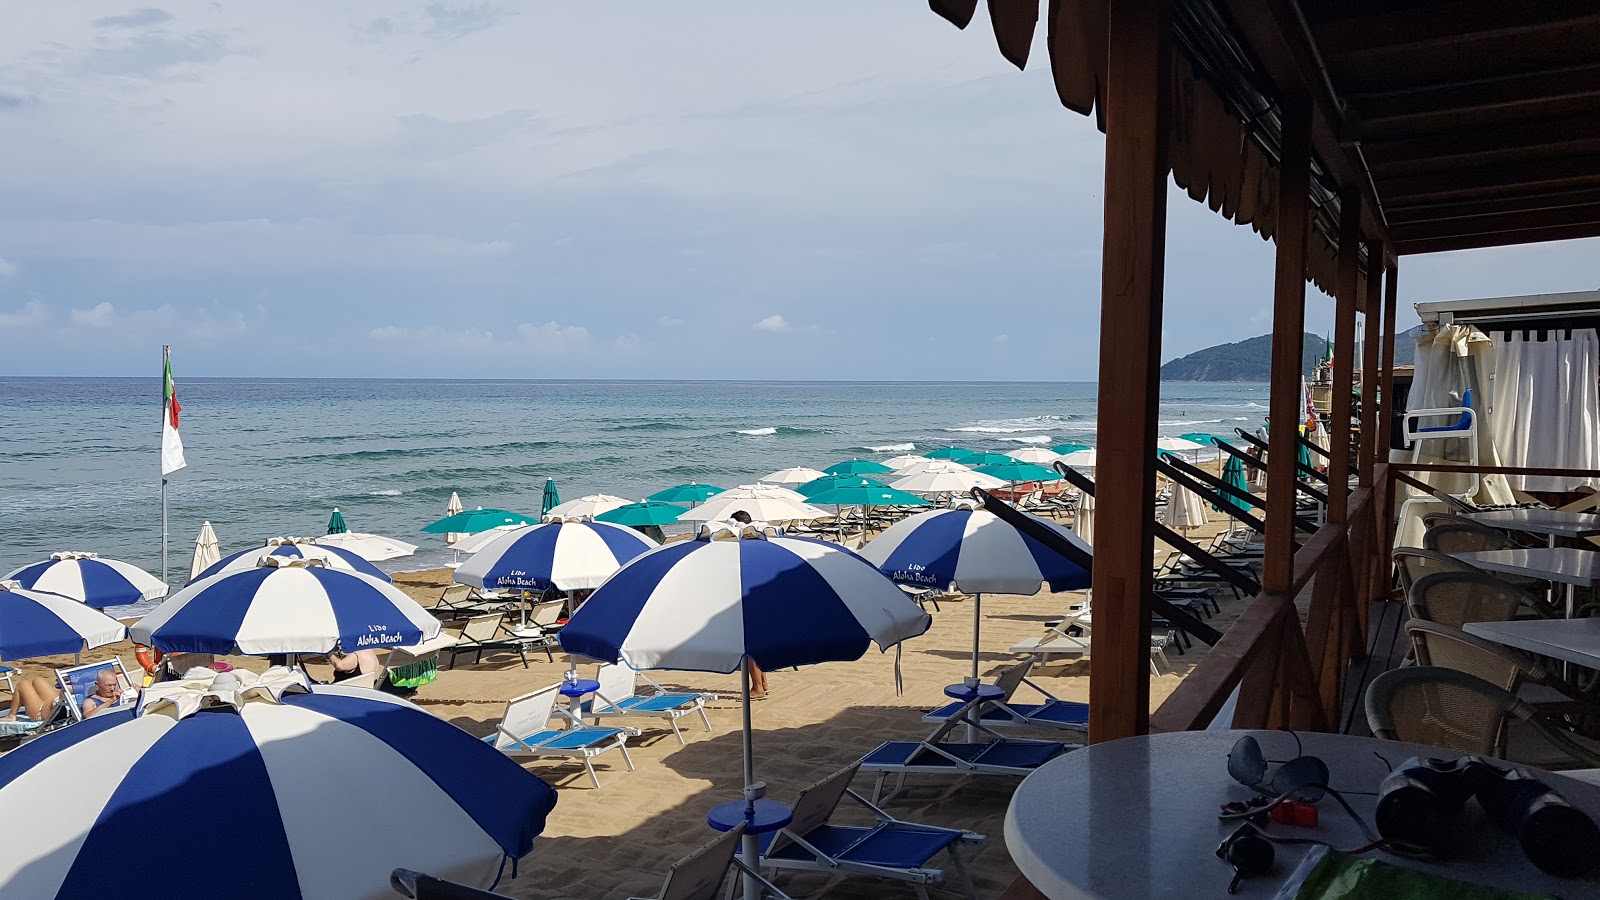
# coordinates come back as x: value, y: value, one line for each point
x: 1351, y: 133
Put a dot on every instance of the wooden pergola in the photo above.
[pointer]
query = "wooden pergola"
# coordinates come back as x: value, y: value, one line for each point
x: 1351, y: 133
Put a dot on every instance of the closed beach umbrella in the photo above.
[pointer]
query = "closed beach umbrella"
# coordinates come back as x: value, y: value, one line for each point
x: 984, y: 458
x: 473, y: 521
x: 1184, y: 510
x: 1083, y: 519
x: 585, y: 507
x: 896, y: 463
x: 287, y: 548
x: 1233, y: 475
x: 1036, y: 455
x: 255, y: 774
x: 87, y: 578
x: 207, y: 551
x: 453, y: 508
x: 1080, y: 459
x: 643, y: 514
x: 760, y: 506
x: 708, y: 606
x: 570, y: 556
x: 690, y: 493
x: 829, y: 482
x: 1068, y: 447
x: 791, y: 476
x: 39, y: 623
x: 285, y: 606
x: 551, y: 498
x: 370, y: 547
x: 955, y: 453
x: 857, y: 467
x: 977, y: 552
x: 336, y: 522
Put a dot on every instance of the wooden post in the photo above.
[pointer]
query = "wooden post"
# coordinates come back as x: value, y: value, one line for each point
x: 1372, y: 316
x: 1348, y: 290
x: 1386, y: 386
x: 1288, y: 338
x: 1137, y: 100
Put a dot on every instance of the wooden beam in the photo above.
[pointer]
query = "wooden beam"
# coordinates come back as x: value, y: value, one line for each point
x: 1446, y: 24
x: 1522, y: 89
x: 1386, y: 366
x: 1498, y: 223
x: 1499, y: 239
x: 1348, y: 299
x: 1445, y: 210
x: 1481, y: 143
x: 1372, y: 317
x: 1481, y: 182
x: 1288, y: 337
x: 1131, y: 278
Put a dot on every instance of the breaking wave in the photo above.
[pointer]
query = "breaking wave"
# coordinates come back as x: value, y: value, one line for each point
x: 890, y: 448
x: 756, y: 432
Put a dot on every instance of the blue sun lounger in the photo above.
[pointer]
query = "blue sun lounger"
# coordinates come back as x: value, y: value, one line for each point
x: 888, y: 848
x: 1052, y: 713
x: 619, y: 696
x: 933, y: 755
x: 524, y: 731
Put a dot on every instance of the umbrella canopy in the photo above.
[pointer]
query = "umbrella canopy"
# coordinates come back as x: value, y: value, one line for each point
x: 1068, y: 447
x: 278, y: 752
x: 87, y: 578
x: 642, y: 514
x: 287, y: 548
x: 551, y: 498
x: 39, y: 623
x: 1233, y: 475
x: 896, y: 463
x: 686, y: 493
x: 1015, y: 470
x: 829, y: 482
x: 944, y: 477
x: 370, y: 547
x: 571, y: 556
x: 955, y: 453
x: 336, y: 522
x: 1036, y: 455
x: 983, y: 458
x: 865, y: 492
x: 473, y: 521
x: 1083, y: 519
x: 857, y: 467
x: 207, y: 552
x: 472, y: 543
x: 1176, y: 445
x: 1184, y: 510
x: 585, y: 507
x: 776, y: 491
x: 1080, y: 459
x: 1198, y: 437
x: 795, y: 475
x: 285, y: 606
x: 761, y: 506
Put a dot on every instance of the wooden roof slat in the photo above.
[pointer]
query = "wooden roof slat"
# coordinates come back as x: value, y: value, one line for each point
x: 1505, y: 92
x: 1445, y: 24
x: 957, y: 12
x: 1466, y: 209
x: 1482, y: 143
x: 1498, y: 239
x: 1498, y: 223
x: 1076, y: 36
x: 1493, y: 180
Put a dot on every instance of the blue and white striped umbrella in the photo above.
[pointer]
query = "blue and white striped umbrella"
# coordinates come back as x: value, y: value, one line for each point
x: 285, y: 606
x: 292, y: 548
x: 37, y: 623
x: 974, y: 551
x: 569, y: 556
x: 319, y: 793
x: 87, y: 578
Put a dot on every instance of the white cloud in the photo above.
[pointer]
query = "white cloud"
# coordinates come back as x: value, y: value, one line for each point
x: 774, y: 324
x: 100, y: 317
x: 668, y: 322
x: 1001, y: 338
x: 31, y: 313
x: 7, y: 268
x: 553, y: 337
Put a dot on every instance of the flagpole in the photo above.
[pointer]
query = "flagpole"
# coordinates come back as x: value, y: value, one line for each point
x: 166, y: 356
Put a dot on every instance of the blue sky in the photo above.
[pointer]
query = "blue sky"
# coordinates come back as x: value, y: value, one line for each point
x: 629, y: 189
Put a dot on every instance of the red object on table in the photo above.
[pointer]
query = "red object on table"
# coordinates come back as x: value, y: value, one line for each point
x: 1295, y: 813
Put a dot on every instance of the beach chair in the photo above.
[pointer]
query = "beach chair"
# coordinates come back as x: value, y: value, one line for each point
x: 77, y: 683
x: 933, y: 755
x: 1055, y: 641
x: 524, y: 732
x: 1052, y: 713
x: 699, y: 875
x: 452, y: 600
x: 487, y: 634
x: 889, y: 848
x: 619, y: 696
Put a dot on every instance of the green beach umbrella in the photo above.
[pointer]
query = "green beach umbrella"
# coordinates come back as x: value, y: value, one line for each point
x: 985, y: 458
x: 1068, y: 447
x: 1015, y: 470
x: 857, y: 467
x: 1233, y: 476
x: 829, y: 482
x: 551, y: 498
x: 687, y: 493
x: 954, y: 453
x: 642, y: 514
x: 1204, y: 440
x: 336, y: 522
x: 473, y: 521
x: 864, y: 492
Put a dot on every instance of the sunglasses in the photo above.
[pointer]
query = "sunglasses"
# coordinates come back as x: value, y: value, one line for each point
x: 1304, y: 778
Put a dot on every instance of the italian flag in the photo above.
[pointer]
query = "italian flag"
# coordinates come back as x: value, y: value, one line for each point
x: 171, y: 444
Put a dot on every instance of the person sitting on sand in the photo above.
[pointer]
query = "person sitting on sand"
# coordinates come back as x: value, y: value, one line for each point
x: 106, y: 694
x: 35, y: 697
x: 758, y: 678
x: 351, y: 665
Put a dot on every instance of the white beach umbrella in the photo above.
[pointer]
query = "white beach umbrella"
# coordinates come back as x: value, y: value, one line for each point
x: 87, y: 578
x: 370, y: 547
x: 1080, y: 459
x: 585, y: 507
x: 1185, y: 509
x: 39, y: 623
x: 796, y: 475
x: 472, y: 543
x: 450, y: 509
x: 897, y: 463
x: 569, y: 556
x: 1177, y: 445
x: 1319, y: 436
x: 1036, y: 455
x: 941, y: 476
x: 253, y: 765
x: 207, y: 552
x: 774, y: 490
x: 287, y: 548
x: 761, y: 507
x: 1083, y: 518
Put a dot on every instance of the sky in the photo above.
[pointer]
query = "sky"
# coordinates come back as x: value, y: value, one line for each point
x: 720, y: 189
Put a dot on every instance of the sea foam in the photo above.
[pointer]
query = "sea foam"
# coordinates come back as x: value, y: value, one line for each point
x: 757, y: 432
x: 890, y: 448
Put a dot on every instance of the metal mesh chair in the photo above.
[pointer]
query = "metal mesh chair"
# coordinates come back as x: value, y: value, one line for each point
x: 1462, y: 536
x: 1414, y: 563
x: 1511, y: 670
x: 1456, y: 711
x: 1456, y: 598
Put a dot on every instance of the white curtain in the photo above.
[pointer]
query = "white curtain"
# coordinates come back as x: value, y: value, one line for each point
x: 1545, y: 402
x: 1451, y: 360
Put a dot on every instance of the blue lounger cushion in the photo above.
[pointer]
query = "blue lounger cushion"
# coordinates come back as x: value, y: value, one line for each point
x: 654, y: 704
x: 892, y: 846
x: 1008, y: 754
x: 1056, y: 712
x: 557, y: 739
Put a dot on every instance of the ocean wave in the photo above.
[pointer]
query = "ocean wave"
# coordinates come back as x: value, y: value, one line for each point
x: 1030, y: 439
x: 649, y: 426
x: 422, y: 452
x: 1178, y: 422
x: 888, y: 448
x: 386, y: 492
x: 1007, y: 426
x: 688, y: 471
x: 756, y: 432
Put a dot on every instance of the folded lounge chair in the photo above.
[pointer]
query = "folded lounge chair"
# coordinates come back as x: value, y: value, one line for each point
x: 1052, y: 713
x: 487, y: 633
x: 699, y: 875
x: 933, y: 755
x: 619, y: 696
x: 889, y: 848
x: 1055, y: 641
x: 524, y: 731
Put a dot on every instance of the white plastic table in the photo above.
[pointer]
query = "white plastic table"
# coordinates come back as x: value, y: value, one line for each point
x: 1573, y: 640
x: 1573, y: 568
x: 1138, y: 818
x: 1552, y: 523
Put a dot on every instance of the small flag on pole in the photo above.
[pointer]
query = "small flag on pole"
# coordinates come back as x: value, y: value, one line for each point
x: 171, y: 444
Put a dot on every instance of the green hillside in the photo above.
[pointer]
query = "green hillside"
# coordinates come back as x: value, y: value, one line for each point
x: 1247, y: 360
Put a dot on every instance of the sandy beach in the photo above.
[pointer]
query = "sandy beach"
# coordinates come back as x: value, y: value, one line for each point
x: 618, y: 841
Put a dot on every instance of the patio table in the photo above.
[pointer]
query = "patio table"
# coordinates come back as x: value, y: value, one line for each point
x: 1571, y: 567
x: 1571, y: 640
x: 1552, y: 523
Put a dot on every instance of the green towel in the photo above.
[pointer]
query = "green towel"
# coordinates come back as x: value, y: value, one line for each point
x: 1338, y: 875
x: 415, y: 674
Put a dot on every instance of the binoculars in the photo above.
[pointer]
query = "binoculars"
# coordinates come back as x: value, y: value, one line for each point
x: 1418, y: 802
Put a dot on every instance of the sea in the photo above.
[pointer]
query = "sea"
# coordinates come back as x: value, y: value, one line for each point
x: 274, y: 457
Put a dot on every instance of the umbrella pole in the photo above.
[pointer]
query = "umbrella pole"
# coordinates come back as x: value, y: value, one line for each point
x: 751, y: 843
x: 973, y: 682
